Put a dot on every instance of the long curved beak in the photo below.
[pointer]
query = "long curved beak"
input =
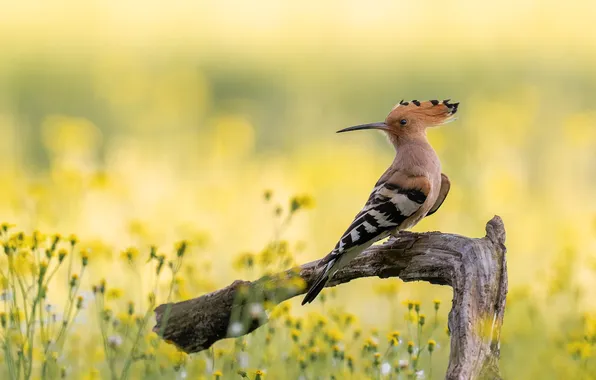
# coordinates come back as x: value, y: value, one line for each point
x: 382, y: 126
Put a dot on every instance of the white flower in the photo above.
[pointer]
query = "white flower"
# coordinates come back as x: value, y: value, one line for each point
x: 420, y: 374
x: 403, y: 363
x: 6, y: 296
x: 385, y: 368
x: 88, y: 296
x: 115, y: 340
x: 255, y: 310
x: 243, y: 359
x: 236, y: 329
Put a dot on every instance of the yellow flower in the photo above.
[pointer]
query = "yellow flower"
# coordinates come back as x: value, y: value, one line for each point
x: 294, y: 283
x: 55, y: 239
x: 349, y: 319
x: 114, y: 293
x: 334, y: 335
x: 244, y: 261
x: 370, y: 344
x: 79, y: 302
x: 19, y: 340
x: 377, y: 359
x: 180, y: 357
x: 421, y: 319
x: 217, y: 375
x: 321, y: 321
x: 84, y: 257
x: 417, y: 306
x: 267, y: 256
x: 410, y: 317
x: 295, y: 335
x: 388, y: 288
x: 126, y: 319
x: 62, y: 254
x: 130, y: 254
x: 431, y: 345
x: 409, y: 304
x: 181, y: 247
x: 43, y: 268
x: 23, y: 262
x: 301, y: 202
x: 579, y: 350
x: 394, y: 338
x: 267, y: 194
x: 92, y: 375
x: 6, y: 226
x: 74, y: 280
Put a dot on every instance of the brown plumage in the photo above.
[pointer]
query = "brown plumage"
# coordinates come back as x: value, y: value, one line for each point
x: 410, y: 189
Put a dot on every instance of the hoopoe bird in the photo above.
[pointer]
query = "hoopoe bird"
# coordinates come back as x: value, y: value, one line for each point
x: 410, y: 189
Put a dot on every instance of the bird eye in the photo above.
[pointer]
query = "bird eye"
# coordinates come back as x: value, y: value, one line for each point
x: 403, y: 122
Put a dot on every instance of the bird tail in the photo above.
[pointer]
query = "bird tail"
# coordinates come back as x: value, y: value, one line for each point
x: 319, y: 283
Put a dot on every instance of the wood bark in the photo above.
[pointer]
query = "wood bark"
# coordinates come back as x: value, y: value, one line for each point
x: 475, y: 268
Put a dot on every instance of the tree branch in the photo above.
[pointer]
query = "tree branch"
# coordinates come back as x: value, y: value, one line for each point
x: 476, y: 269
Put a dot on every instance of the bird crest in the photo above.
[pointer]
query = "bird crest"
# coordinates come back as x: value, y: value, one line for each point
x: 427, y: 105
x: 434, y: 112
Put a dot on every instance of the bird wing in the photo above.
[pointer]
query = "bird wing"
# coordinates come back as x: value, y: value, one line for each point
x: 445, y: 186
x: 395, y: 198
x: 391, y: 202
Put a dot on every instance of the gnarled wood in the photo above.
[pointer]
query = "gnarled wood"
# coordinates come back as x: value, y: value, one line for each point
x: 475, y: 268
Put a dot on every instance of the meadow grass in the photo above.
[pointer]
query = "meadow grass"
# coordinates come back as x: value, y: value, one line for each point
x: 100, y: 331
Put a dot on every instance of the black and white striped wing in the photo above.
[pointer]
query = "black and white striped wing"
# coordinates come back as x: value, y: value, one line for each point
x: 387, y: 207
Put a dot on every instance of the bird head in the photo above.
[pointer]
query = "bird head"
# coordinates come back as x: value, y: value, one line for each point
x: 412, y: 118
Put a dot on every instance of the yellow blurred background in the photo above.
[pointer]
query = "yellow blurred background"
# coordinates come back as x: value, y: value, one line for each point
x: 145, y: 122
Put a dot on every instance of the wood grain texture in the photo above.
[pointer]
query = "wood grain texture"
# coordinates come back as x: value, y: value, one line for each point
x: 475, y: 268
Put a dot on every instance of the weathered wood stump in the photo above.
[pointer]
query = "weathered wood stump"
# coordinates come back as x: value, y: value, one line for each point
x: 475, y: 268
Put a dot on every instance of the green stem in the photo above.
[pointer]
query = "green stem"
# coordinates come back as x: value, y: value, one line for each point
x: 14, y: 311
x: 430, y: 366
x: 104, y: 337
x: 31, y: 327
x: 68, y: 310
x: 129, y: 359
